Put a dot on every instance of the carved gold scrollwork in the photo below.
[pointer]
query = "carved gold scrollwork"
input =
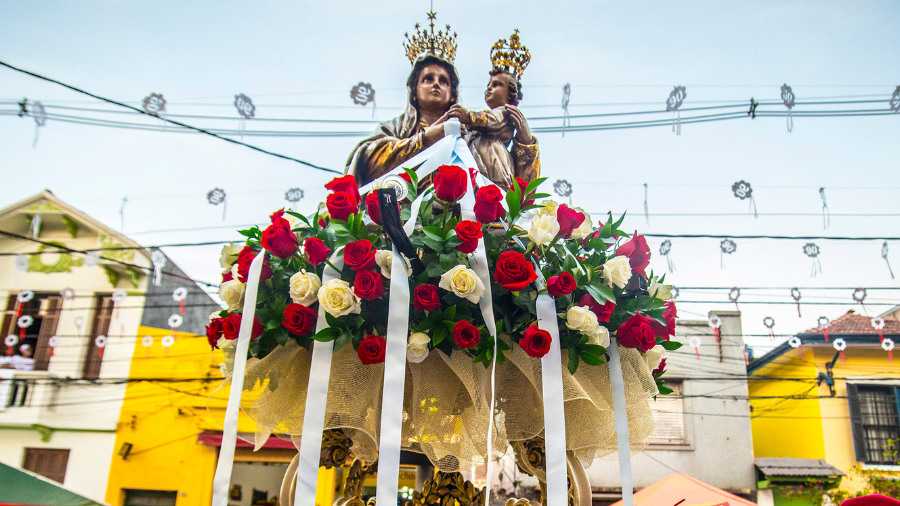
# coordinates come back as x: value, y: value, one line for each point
x: 447, y: 489
x: 353, y: 488
x: 335, y: 449
x: 530, y: 458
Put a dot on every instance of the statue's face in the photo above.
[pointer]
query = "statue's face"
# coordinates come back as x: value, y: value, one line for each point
x: 497, y: 92
x: 433, y: 89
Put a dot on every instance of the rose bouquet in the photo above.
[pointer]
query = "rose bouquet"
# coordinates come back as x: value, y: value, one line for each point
x: 595, y: 274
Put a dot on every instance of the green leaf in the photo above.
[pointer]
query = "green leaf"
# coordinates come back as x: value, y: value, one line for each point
x: 298, y: 216
x: 434, y: 232
x: 450, y: 313
x: 601, y: 293
x: 434, y: 269
x: 532, y: 186
x: 440, y: 333
x: 663, y: 389
x: 573, y: 360
x: 671, y: 345
x: 327, y: 334
x: 590, y: 358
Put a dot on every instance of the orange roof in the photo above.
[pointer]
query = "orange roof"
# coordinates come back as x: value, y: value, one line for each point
x: 690, y: 491
x: 852, y: 323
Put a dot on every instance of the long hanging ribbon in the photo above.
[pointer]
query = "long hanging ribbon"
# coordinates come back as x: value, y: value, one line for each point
x: 617, y: 382
x: 316, y: 397
x: 826, y: 213
x: 394, y: 380
x: 554, y: 409
x: 222, y: 478
x: 884, y: 255
x: 646, y: 206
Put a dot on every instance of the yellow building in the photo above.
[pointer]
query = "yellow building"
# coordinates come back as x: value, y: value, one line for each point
x: 817, y: 413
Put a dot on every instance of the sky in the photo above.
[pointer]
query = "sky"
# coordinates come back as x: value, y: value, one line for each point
x: 300, y: 59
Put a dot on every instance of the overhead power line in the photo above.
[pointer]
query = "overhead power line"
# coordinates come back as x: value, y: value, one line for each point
x: 178, y: 123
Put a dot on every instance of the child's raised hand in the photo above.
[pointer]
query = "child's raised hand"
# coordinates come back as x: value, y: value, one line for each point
x: 523, y: 133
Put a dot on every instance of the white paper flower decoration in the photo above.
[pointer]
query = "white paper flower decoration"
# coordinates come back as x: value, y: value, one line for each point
x: 25, y: 321
x: 180, y: 294
x: 118, y: 296
x: 67, y: 294
x: 878, y: 323
x: 887, y: 344
x: 11, y: 340
x: 100, y: 342
x: 147, y: 341
x: 24, y: 296
x: 839, y: 344
x: 79, y: 321
x: 795, y: 342
x: 175, y: 321
x: 168, y: 341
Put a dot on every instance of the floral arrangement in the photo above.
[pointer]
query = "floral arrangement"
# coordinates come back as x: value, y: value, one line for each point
x: 595, y: 274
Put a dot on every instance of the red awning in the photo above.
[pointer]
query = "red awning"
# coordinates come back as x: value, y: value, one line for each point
x: 215, y: 439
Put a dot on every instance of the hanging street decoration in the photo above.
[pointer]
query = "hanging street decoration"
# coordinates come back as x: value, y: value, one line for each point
x: 675, y: 292
x: 811, y: 250
x: 795, y: 294
x: 716, y: 323
x: 878, y: 324
x: 727, y: 247
x: 753, y: 105
x: 694, y: 342
x: 53, y: 342
x: 563, y: 188
x: 769, y: 322
x: 363, y: 94
x: 246, y: 110
x: 787, y: 96
x: 744, y: 191
x: 147, y: 342
x: 24, y: 322
x: 122, y: 214
x: 293, y: 196
x: 40, y: 119
x: 567, y: 94
x: 215, y: 197
x: 884, y: 255
x: 21, y: 265
x: 121, y: 321
x: 11, y: 341
x: 68, y: 295
x: 895, y: 100
x: 826, y: 213
x: 840, y: 345
x: 859, y: 295
x: 175, y: 321
x: 733, y: 295
x: 665, y: 249
x: 824, y: 322
x: 100, y: 342
x: 646, y: 205
x: 79, y: 322
x: 795, y: 342
x: 159, y: 261
x: 178, y: 296
x: 155, y: 104
x: 118, y: 297
x: 91, y: 259
x: 167, y: 342
x: 673, y: 103
x: 888, y: 345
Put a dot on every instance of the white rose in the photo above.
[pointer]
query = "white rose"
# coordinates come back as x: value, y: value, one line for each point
x: 463, y: 282
x: 228, y: 348
x: 338, y: 298
x: 417, y: 347
x: 586, y: 228
x: 659, y: 290
x: 654, y: 356
x: 617, y: 271
x: 543, y: 229
x: 229, y: 254
x: 548, y: 208
x: 582, y: 319
x: 385, y: 258
x: 214, y: 316
x: 232, y: 292
x: 601, y: 337
x: 305, y: 287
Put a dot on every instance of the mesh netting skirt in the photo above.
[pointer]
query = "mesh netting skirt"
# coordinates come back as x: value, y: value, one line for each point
x: 447, y: 404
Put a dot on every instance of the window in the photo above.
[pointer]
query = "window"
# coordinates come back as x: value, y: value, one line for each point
x: 44, y: 308
x: 876, y: 425
x: 103, y: 314
x: 150, y: 497
x: 668, y: 416
x: 48, y: 463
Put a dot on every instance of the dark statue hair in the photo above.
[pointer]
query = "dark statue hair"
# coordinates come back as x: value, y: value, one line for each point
x: 413, y: 80
x: 515, y: 87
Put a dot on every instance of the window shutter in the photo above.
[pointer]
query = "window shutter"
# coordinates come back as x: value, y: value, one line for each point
x: 102, y: 317
x: 48, y: 463
x: 50, y: 308
x: 9, y: 321
x: 856, y: 422
x: 668, y: 416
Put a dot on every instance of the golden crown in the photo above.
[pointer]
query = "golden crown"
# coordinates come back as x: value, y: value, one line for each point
x: 512, y: 58
x: 440, y: 44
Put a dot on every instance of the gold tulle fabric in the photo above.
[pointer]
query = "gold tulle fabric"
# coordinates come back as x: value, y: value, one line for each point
x: 446, y: 403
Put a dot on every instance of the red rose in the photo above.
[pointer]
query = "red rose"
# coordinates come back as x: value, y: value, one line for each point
x: 669, y: 315
x: 316, y: 251
x: 468, y: 232
x: 513, y: 271
x: 227, y: 276
x: 473, y: 176
x: 359, y: 255
x: 638, y: 253
x: 214, y: 332
x: 603, y: 312
x: 450, y: 183
x: 299, y: 319
x: 345, y: 184
x: 564, y: 284
x: 536, y: 342
x: 465, y: 334
x: 487, y: 204
x: 660, y: 368
x: 371, y: 349
x: 406, y: 177
x: 522, y: 185
x: 341, y: 205
x: 425, y: 298
x: 231, y: 326
x: 372, y: 207
x: 368, y: 285
x: 638, y: 333
x: 245, y: 258
x: 569, y: 219
x: 278, y: 237
x: 322, y: 222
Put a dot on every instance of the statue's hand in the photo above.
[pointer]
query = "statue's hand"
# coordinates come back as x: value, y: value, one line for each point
x: 435, y: 131
x: 459, y: 112
x: 523, y: 133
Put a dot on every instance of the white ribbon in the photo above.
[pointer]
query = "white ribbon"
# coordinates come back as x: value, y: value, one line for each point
x: 554, y: 408
x: 394, y: 384
x: 620, y: 415
x: 224, y: 467
x: 316, y: 397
